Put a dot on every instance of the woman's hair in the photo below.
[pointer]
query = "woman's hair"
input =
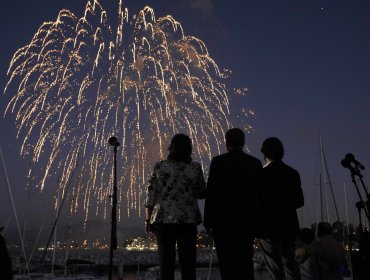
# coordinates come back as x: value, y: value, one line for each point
x: 180, y: 148
x: 272, y: 148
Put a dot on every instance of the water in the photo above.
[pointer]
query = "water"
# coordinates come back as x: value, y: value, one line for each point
x: 130, y: 265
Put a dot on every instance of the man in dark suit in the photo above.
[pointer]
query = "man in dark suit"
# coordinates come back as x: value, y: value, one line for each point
x: 230, y: 207
x: 281, y: 194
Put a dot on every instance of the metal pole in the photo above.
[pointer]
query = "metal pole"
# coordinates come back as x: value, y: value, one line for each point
x: 113, y: 237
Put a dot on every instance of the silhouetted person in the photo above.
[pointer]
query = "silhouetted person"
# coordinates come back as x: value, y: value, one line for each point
x: 173, y: 214
x: 282, y: 194
x: 6, y: 272
x: 329, y: 253
x: 230, y: 207
x: 307, y: 263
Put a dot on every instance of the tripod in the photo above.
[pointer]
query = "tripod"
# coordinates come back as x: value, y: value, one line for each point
x: 355, y: 167
x: 360, y: 260
x: 361, y: 205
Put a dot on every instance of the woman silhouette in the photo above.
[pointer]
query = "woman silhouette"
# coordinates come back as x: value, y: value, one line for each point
x: 173, y: 214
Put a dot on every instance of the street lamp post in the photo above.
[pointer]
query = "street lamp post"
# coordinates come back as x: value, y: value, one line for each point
x: 113, y: 238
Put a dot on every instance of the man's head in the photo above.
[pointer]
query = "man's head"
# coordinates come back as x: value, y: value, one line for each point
x: 234, y: 138
x: 273, y: 149
x: 306, y: 236
x: 323, y: 228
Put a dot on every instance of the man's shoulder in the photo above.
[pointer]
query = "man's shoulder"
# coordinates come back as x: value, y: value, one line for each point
x: 253, y: 159
x: 219, y: 157
x: 291, y: 169
x: 218, y: 160
x: 241, y: 155
x: 250, y: 159
x: 281, y: 166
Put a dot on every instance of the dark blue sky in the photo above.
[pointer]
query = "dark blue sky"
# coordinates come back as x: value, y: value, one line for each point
x: 306, y: 65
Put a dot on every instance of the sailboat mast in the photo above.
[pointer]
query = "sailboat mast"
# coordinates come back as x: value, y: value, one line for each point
x: 324, y: 164
x: 324, y: 180
x: 321, y: 208
x: 55, y: 231
x: 14, y: 210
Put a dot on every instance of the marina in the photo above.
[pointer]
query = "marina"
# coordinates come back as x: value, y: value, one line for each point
x: 129, y: 265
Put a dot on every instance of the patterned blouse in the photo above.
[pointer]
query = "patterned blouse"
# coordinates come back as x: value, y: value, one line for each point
x: 173, y: 192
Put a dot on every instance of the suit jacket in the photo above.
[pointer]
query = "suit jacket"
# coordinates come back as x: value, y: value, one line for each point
x: 231, y: 192
x: 281, y: 194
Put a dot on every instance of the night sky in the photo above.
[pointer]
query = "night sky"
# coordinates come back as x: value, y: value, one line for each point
x: 306, y: 65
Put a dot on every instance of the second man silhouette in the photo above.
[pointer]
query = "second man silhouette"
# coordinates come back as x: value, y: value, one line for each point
x: 230, y: 206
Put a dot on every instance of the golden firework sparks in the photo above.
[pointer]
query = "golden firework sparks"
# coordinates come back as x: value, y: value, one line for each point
x: 80, y: 81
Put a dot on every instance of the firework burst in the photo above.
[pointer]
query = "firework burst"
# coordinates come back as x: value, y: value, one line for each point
x: 82, y: 80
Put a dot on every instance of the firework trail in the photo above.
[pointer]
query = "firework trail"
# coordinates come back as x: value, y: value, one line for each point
x: 81, y: 80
